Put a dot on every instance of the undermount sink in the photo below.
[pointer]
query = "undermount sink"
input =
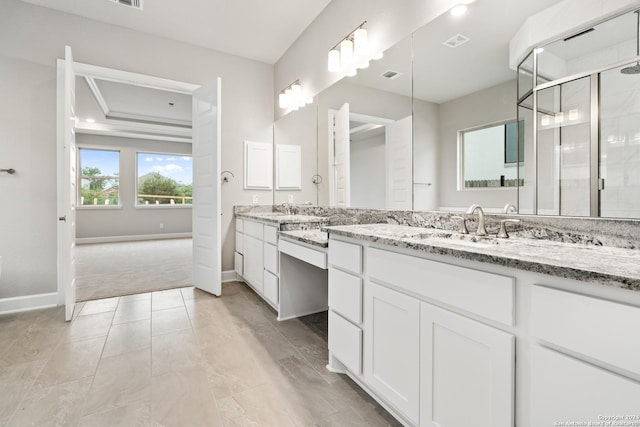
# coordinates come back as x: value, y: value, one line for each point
x: 458, y: 237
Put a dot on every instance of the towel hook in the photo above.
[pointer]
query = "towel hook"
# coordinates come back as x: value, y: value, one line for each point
x: 10, y: 171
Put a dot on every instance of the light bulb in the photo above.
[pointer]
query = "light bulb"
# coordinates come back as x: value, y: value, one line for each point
x: 334, y: 61
x: 346, y: 52
x: 378, y: 55
x: 351, y: 71
x: 282, y: 100
x: 458, y: 10
x: 363, y: 64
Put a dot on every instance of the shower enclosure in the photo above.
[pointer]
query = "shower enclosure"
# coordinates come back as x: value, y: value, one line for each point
x: 579, y: 104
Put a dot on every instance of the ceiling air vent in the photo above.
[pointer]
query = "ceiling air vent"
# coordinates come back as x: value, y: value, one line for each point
x: 136, y: 4
x: 456, y: 41
x: 390, y: 74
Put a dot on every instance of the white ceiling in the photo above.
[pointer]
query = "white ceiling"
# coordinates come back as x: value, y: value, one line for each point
x: 441, y: 73
x: 255, y: 29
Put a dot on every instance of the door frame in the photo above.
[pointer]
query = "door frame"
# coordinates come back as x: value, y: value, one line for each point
x: 118, y: 76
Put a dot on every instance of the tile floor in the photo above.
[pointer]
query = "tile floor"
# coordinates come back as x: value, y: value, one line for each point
x: 174, y: 358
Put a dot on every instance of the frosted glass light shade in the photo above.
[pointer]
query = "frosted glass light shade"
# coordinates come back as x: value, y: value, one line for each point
x: 346, y: 52
x: 282, y: 100
x: 334, y: 61
x: 360, y: 42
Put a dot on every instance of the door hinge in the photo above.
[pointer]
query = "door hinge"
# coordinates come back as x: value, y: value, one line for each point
x: 600, y: 184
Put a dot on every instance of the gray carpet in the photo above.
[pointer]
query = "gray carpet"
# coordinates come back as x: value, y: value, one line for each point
x: 113, y: 269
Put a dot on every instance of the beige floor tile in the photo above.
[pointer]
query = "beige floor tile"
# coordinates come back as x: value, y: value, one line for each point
x: 4, y: 422
x: 135, y: 415
x: 263, y: 405
x: 169, y: 320
x: 346, y: 418
x: 174, y: 352
x: 90, y: 326
x: 72, y: 361
x: 171, y: 298
x: 132, y: 311
x: 100, y: 306
x: 58, y: 405
x: 146, y: 296
x: 77, y: 308
x: 120, y: 381
x: 184, y: 399
x: 315, y: 351
x: 128, y: 337
x: 34, y: 344
x: 15, y: 381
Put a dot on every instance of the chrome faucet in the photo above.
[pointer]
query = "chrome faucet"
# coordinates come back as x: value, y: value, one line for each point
x: 509, y: 208
x: 482, y: 229
x: 287, y: 208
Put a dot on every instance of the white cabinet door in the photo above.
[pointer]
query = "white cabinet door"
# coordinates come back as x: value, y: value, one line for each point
x: 466, y: 372
x: 567, y: 389
x: 253, y: 262
x: 392, y: 333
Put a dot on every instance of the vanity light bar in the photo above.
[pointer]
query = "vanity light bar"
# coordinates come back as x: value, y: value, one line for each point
x: 292, y: 97
x: 351, y: 53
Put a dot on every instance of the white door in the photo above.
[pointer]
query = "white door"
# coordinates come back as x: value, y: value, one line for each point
x: 67, y: 183
x: 340, y: 147
x: 392, y: 348
x: 207, y: 237
x: 466, y: 372
x: 398, y: 146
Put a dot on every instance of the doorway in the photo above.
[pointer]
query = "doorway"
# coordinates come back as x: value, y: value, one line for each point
x: 206, y: 171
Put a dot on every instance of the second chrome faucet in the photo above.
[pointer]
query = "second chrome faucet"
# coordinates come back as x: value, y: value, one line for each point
x: 482, y: 229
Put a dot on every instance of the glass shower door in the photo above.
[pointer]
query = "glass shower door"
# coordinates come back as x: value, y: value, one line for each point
x: 619, y: 144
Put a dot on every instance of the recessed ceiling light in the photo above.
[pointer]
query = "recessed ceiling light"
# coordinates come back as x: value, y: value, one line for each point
x: 459, y: 10
x: 90, y: 120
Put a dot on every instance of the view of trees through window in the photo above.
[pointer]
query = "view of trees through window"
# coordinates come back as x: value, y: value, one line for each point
x: 99, y: 172
x: 164, y: 179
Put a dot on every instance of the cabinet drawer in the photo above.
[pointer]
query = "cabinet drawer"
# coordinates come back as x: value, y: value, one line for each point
x: 239, y: 225
x: 271, y: 288
x: 253, y: 229
x: 347, y: 256
x: 564, y: 388
x: 345, y: 295
x: 271, y: 234
x: 485, y: 294
x: 304, y: 253
x: 239, y: 242
x: 238, y: 263
x: 271, y: 258
x: 603, y: 330
x: 345, y: 342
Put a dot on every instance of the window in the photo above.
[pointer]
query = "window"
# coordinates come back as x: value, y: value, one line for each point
x: 98, y: 178
x: 164, y: 179
x: 491, y: 154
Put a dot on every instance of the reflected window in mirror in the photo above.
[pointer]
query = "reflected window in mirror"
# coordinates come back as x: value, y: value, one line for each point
x: 490, y: 156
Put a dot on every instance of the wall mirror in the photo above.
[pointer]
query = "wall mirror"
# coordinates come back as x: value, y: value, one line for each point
x: 454, y: 77
x: 582, y: 119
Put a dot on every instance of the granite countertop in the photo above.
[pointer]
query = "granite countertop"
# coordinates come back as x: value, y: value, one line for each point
x: 280, y: 218
x: 605, y: 265
x: 314, y: 237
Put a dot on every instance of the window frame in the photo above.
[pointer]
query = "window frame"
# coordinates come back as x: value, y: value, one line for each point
x: 460, y: 163
x: 137, y: 205
x: 81, y: 147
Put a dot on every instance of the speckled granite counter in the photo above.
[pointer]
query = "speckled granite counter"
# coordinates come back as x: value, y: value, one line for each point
x: 312, y: 237
x: 286, y: 222
x: 606, y: 265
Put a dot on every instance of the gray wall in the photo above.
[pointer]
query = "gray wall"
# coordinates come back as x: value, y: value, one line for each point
x: 31, y: 38
x: 129, y: 220
x: 495, y: 104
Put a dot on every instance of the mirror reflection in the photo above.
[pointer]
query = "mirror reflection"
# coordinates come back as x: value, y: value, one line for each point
x: 451, y: 79
x: 587, y: 131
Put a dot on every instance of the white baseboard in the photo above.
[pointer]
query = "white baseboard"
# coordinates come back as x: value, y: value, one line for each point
x: 229, y: 276
x: 113, y: 239
x: 28, y: 302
